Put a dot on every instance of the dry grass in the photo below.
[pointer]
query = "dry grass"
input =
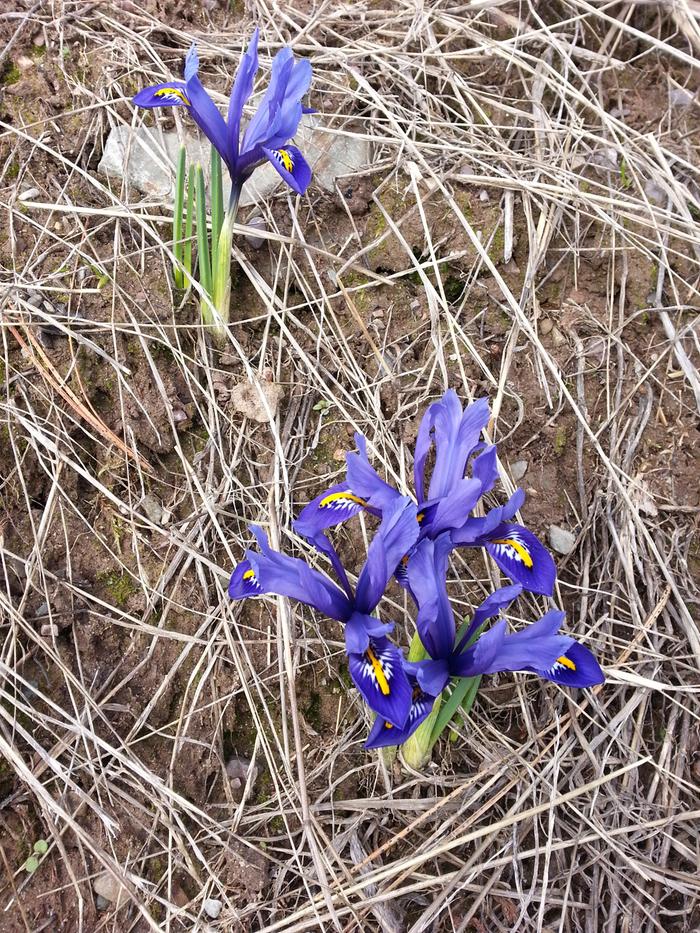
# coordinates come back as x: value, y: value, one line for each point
x: 550, y: 810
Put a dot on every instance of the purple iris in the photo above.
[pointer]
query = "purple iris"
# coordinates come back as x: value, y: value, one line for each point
x: 275, y: 122
x: 538, y: 648
x: 375, y: 664
x: 450, y: 498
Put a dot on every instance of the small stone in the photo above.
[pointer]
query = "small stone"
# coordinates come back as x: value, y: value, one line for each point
x: 339, y: 454
x: 518, y: 470
x: 101, y: 903
x: 237, y: 769
x: 153, y: 509
x: 256, y: 223
x: 258, y: 401
x: 483, y: 195
x: 43, y: 610
x: 212, y: 907
x: 681, y: 97
x: 561, y: 540
x: 378, y: 313
x: 546, y: 325
x: 228, y: 359
x: 49, y: 631
x: 655, y: 193
x: 38, y: 39
x: 557, y: 337
x: 24, y: 63
x: 29, y: 194
x: 108, y: 887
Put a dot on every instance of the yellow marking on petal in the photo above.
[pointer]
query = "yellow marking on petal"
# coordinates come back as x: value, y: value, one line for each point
x: 404, y: 560
x: 286, y: 159
x: 519, y: 549
x: 388, y: 725
x: 378, y: 672
x: 420, y: 516
x: 168, y: 91
x: 249, y: 574
x: 338, y: 496
x: 566, y: 662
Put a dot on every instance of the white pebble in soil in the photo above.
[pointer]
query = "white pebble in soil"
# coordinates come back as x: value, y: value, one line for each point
x: 212, y: 907
x: 561, y: 540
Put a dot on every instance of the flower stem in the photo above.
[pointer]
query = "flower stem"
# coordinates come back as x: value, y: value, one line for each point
x: 221, y: 261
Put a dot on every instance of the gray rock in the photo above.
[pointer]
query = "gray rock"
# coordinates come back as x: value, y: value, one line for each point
x: 256, y: 223
x: 108, y: 887
x: 561, y: 540
x: 546, y: 325
x: 152, y: 508
x: 557, y: 337
x: 146, y: 157
x: 101, y: 903
x: 253, y: 399
x: 518, y: 470
x: 212, y: 907
x: 680, y: 97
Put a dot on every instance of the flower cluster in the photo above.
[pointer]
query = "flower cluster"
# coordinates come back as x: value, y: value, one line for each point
x: 413, y: 543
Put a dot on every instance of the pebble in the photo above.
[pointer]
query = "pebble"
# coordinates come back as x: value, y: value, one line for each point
x: 152, y: 508
x: 107, y: 887
x: 561, y: 540
x: 546, y: 325
x: 246, y: 399
x: 212, y: 907
x: 256, y: 223
x: 557, y: 337
x: 681, y: 97
x: 518, y: 470
x: 24, y: 63
x: 49, y: 631
x: 101, y: 903
x: 29, y: 194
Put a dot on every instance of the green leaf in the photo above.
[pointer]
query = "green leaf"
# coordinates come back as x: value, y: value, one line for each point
x: 178, y: 276
x: 323, y: 405
x: 41, y: 847
x: 463, y: 694
x: 202, y: 234
x: 217, y: 205
x: 31, y: 864
x: 189, y: 219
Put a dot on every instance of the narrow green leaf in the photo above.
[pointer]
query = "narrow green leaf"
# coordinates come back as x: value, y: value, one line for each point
x: 463, y: 693
x: 217, y: 204
x: 189, y: 220
x: 177, y: 217
x: 202, y: 235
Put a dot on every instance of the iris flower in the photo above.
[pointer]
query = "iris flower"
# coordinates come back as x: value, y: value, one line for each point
x: 538, y: 649
x: 267, y: 135
x: 375, y: 664
x: 450, y: 497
